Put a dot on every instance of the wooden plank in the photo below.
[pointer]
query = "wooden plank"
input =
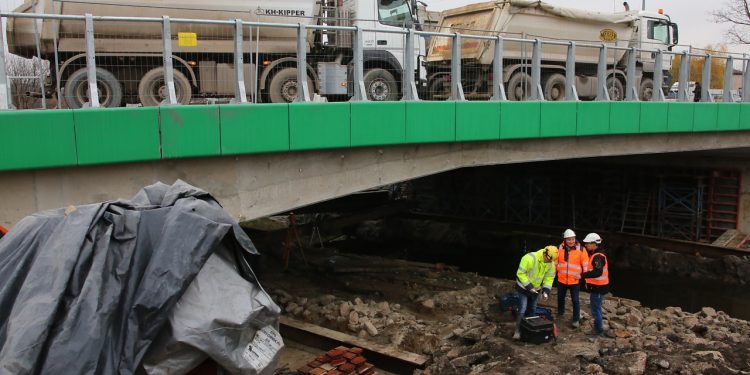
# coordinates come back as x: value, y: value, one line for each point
x: 725, y: 238
x: 378, y: 353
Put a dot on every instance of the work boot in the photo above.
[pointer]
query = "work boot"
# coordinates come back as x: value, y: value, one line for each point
x: 517, y: 335
x: 595, y: 332
x: 576, y: 324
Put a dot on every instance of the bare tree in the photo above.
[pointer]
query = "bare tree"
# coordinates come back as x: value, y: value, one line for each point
x: 23, y: 76
x: 736, y: 13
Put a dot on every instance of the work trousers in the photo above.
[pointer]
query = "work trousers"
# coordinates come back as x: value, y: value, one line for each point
x: 597, y: 299
x: 562, y: 290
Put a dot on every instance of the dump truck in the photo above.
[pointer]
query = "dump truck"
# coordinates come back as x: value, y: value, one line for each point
x: 536, y: 19
x: 129, y: 54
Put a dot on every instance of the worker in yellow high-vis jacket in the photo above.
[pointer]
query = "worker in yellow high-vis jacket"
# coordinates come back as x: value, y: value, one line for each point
x: 534, y: 277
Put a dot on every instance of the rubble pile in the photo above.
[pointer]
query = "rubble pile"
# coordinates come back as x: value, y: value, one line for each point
x: 462, y: 330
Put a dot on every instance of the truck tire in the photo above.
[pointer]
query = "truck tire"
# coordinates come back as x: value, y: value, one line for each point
x: 283, y: 86
x: 439, y: 88
x: 152, y: 89
x: 76, y: 89
x: 615, y: 89
x: 381, y: 85
x: 519, y: 86
x: 646, y: 90
x: 554, y: 87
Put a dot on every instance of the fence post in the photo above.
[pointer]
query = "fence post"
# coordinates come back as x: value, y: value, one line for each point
x: 409, y: 87
x: 303, y: 95
x: 601, y: 75
x: 536, y: 71
x: 6, y: 100
x: 631, y: 94
x: 91, y: 63
x: 746, y: 84
x: 682, y: 91
x: 571, y: 94
x: 706, y: 77
x: 658, y: 95
x: 166, y: 37
x: 498, y: 87
x: 39, y: 63
x: 240, y: 95
x: 359, y: 92
x: 728, y: 71
x: 457, y: 89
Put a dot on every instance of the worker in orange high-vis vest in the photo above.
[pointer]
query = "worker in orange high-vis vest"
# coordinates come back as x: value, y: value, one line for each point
x: 597, y: 278
x: 571, y: 263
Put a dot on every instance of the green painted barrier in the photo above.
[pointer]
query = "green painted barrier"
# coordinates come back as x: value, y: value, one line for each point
x: 593, y: 118
x: 477, y: 121
x: 654, y: 117
x: 190, y: 131
x: 37, y: 139
x: 558, y: 119
x: 319, y: 125
x: 625, y: 118
x: 705, y: 116
x: 378, y: 123
x: 250, y: 129
x: 116, y: 135
x: 729, y: 116
x: 680, y: 117
x: 429, y: 122
x: 520, y: 120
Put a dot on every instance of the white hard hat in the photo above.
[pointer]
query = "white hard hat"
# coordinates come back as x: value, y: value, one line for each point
x: 592, y: 237
x: 569, y: 233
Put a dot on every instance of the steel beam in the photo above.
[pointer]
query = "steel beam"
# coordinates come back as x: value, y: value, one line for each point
x: 571, y: 93
x: 166, y: 37
x: 498, y: 84
x: 536, y: 71
x: 303, y: 95
x: 457, y: 89
x: 91, y: 63
x: 601, y: 75
x: 240, y: 96
x: 359, y: 92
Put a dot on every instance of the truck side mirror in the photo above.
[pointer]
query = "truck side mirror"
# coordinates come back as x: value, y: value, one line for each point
x: 675, y: 33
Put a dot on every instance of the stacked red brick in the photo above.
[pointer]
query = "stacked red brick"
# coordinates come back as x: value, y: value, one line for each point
x: 339, y: 361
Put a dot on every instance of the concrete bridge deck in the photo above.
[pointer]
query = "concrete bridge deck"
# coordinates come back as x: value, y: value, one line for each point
x: 262, y: 159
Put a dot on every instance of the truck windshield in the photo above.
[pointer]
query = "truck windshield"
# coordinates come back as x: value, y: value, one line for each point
x: 395, y: 13
x: 658, y: 30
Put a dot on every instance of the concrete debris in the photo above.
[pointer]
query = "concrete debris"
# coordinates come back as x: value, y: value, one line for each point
x: 464, y: 332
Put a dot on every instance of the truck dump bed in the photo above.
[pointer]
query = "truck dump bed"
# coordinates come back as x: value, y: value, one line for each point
x: 140, y: 36
x: 530, y: 19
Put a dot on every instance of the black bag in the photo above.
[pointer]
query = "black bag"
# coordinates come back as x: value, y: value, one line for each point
x: 537, y: 330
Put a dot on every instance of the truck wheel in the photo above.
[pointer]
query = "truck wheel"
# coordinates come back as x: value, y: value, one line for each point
x: 381, y: 85
x: 77, y: 87
x: 615, y: 89
x: 283, y: 86
x: 519, y: 86
x: 152, y: 90
x: 646, y: 91
x: 554, y: 87
x: 439, y: 88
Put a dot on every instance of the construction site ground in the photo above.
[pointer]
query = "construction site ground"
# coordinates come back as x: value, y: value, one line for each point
x: 453, y: 319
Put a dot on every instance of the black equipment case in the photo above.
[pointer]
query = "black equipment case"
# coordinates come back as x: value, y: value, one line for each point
x: 537, y: 330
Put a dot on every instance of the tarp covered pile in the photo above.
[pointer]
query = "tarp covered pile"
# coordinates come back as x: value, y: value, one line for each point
x: 160, y: 282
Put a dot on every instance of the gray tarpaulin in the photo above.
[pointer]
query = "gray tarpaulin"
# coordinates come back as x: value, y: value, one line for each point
x: 87, y: 290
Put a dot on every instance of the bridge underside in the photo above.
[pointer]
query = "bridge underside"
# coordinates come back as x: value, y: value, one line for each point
x: 257, y: 185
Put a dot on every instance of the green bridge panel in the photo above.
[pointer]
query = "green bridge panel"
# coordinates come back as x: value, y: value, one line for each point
x: 190, y: 131
x: 705, y: 116
x: 477, y: 121
x: 41, y: 139
x: 319, y: 125
x: 520, y: 120
x: 654, y: 117
x: 744, y: 116
x: 37, y: 139
x: 593, y: 118
x: 729, y: 116
x: 117, y: 135
x: 625, y: 118
x: 680, y: 117
x: 378, y: 123
x: 429, y: 122
x: 558, y: 119
x: 250, y: 129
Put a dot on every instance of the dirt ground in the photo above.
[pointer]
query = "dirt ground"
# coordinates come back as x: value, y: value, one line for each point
x: 455, y: 320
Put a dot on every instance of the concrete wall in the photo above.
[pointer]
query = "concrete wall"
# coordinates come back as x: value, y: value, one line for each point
x: 252, y: 186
